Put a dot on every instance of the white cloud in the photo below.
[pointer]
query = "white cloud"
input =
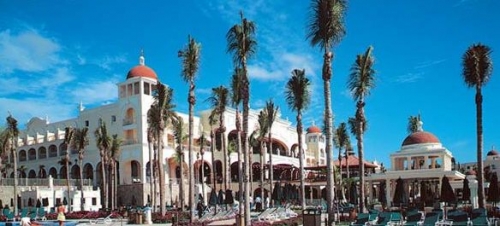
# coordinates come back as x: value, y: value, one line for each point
x: 409, y: 77
x: 107, y: 61
x: 95, y: 92
x: 27, y: 51
x: 429, y: 63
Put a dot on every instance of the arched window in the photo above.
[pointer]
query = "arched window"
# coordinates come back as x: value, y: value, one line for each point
x: 53, y: 172
x: 32, y: 154
x: 22, y: 156
x: 52, y: 151
x: 32, y: 174
x: 135, y: 166
x: 62, y: 149
x: 42, y: 153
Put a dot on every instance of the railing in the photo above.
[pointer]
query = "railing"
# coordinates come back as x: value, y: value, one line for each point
x: 43, y: 182
x: 130, y: 141
x: 128, y: 121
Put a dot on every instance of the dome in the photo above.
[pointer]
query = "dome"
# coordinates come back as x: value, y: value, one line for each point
x: 492, y: 153
x: 142, y: 71
x: 420, y: 137
x: 313, y: 129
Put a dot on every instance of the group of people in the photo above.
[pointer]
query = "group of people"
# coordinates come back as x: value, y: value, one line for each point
x: 26, y: 221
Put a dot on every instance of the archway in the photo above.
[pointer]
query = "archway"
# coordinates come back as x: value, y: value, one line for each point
x: 218, y: 171
x: 75, y: 172
x: 32, y: 174
x: 88, y: 171
x: 203, y: 173
x: 53, y: 172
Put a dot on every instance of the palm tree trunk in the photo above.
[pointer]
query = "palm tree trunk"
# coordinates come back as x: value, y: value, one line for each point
x: 361, y: 169
x: 340, y: 176
x: 214, y: 172
x: 103, y: 183
x: 271, y: 173
x: 67, y: 178
x: 327, y: 72
x: 181, y: 183
x: 301, y: 160
x: 82, y: 198
x: 262, y: 173
x: 240, y: 163
x: 161, y: 173
x: 479, y: 124
x: 113, y: 186
x: 245, y: 149
x: 190, y: 151
x: 151, y: 189
x: 14, y: 157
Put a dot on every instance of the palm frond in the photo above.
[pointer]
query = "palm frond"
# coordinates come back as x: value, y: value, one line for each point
x: 326, y: 23
x: 477, y: 65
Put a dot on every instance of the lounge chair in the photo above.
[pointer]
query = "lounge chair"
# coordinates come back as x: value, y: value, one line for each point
x: 383, y: 219
x: 396, y: 218
x: 9, y: 215
x: 414, y: 219
x: 361, y: 219
x: 479, y: 217
x: 430, y: 219
x: 102, y: 220
x: 459, y: 218
x: 41, y: 215
x: 265, y: 215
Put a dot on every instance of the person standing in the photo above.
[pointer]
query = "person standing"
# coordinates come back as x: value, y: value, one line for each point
x: 60, y: 213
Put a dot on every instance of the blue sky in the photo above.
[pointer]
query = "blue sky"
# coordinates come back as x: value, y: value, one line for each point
x: 54, y: 54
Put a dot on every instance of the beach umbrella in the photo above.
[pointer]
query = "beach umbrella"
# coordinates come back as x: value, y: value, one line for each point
x: 493, y: 195
x: 229, y: 197
x: 38, y: 203
x: 466, y: 191
x: 447, y: 194
x: 213, y: 198
x: 276, y: 195
x: 353, y: 195
x: 400, y: 198
x: 423, y: 192
x: 382, y: 196
x: 221, y: 197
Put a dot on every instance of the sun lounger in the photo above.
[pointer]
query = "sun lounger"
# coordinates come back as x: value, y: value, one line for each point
x: 265, y: 215
x: 414, y: 219
x: 361, y: 219
x: 383, y: 218
x: 479, y: 217
x: 431, y: 219
x: 459, y: 218
x: 102, y: 220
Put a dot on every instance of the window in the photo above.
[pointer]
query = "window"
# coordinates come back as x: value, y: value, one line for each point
x: 147, y: 91
x: 113, y: 118
x: 87, y: 123
x: 129, y: 90
x: 136, y: 88
x: 123, y: 91
x: 94, y: 201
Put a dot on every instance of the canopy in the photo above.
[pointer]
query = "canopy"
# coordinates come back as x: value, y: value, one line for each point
x: 493, y: 195
x: 221, y: 197
x: 400, y: 197
x: 229, y: 197
x: 213, y: 198
x: 466, y: 191
x: 447, y: 194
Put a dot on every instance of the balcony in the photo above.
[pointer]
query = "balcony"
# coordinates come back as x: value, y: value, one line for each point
x: 130, y: 141
x: 128, y: 121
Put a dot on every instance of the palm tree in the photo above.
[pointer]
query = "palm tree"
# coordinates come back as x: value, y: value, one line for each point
x: 326, y: 28
x: 80, y: 140
x: 261, y: 134
x: 242, y: 45
x: 190, y: 64
x: 159, y: 114
x: 361, y: 81
x: 68, y: 140
x: 271, y: 112
x: 212, y: 120
x: 477, y: 70
x: 103, y: 143
x: 152, y: 186
x: 178, y: 127
x: 236, y: 99
x: 298, y: 98
x: 11, y: 134
x: 113, y: 155
x: 219, y: 101
x: 413, y: 124
x: 341, y: 138
x: 64, y: 162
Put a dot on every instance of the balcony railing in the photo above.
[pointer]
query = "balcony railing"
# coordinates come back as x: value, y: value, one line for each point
x: 128, y: 121
x: 43, y: 182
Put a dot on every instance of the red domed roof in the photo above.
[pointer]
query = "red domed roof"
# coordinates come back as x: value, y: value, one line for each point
x: 492, y: 153
x: 420, y: 137
x: 313, y: 129
x: 142, y: 71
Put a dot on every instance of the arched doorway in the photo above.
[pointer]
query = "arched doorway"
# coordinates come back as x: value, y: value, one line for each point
x: 53, y: 172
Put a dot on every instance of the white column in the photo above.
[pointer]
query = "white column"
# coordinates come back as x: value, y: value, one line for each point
x: 388, y: 189
x: 426, y: 162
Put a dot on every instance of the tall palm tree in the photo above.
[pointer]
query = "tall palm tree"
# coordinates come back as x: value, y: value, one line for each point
x: 341, y: 138
x: 114, y: 154
x: 261, y: 134
x: 241, y: 43
x: 361, y: 81
x: 212, y: 120
x: 271, y: 113
x: 11, y: 135
x: 68, y: 141
x: 219, y: 101
x: 103, y: 143
x: 326, y: 28
x: 64, y: 162
x: 190, y: 64
x: 152, y: 186
x: 413, y: 124
x: 178, y: 127
x: 159, y: 114
x: 80, y: 140
x: 477, y: 70
x: 298, y: 98
x: 236, y: 99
